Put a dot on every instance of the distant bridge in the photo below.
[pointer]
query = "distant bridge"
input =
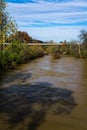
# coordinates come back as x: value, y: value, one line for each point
x: 45, y: 44
x: 34, y: 44
x: 38, y: 44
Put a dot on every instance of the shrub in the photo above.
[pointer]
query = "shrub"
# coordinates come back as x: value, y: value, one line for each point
x: 17, y: 53
x: 84, y: 53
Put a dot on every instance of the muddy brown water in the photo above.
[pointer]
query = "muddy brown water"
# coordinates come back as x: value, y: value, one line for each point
x: 45, y: 94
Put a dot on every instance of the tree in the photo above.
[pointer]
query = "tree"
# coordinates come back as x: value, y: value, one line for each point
x: 83, y: 38
x: 22, y: 37
x: 83, y: 46
x: 7, y: 26
x: 19, y: 36
x: 2, y: 19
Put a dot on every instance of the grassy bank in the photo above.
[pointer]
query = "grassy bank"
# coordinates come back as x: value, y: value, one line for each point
x: 16, y: 53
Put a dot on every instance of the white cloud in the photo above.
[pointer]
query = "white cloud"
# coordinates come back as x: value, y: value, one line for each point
x: 55, y: 33
x: 29, y: 16
x: 50, y: 12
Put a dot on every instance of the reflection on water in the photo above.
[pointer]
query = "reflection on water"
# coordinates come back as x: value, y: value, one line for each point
x: 45, y: 94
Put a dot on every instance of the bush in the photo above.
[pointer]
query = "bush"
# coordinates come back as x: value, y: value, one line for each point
x: 17, y: 53
x: 84, y: 53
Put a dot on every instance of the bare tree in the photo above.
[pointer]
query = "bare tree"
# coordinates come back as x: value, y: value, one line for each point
x: 83, y: 38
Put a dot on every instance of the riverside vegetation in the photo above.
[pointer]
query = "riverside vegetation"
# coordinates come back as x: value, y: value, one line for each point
x: 71, y: 49
x: 17, y: 53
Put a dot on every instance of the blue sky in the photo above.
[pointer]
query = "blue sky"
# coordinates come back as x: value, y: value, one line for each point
x: 56, y: 20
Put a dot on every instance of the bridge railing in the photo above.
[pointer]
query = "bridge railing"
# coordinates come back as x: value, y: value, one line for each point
x: 3, y: 45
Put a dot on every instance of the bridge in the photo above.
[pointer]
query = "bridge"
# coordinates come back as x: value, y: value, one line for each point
x: 2, y: 46
x: 39, y: 44
x: 45, y: 44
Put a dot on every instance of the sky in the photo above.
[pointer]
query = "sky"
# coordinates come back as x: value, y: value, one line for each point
x: 56, y: 20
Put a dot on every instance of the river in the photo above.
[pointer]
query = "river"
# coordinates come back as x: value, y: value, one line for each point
x: 45, y: 94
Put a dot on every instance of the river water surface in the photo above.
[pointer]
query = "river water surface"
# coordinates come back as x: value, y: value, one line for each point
x: 45, y: 94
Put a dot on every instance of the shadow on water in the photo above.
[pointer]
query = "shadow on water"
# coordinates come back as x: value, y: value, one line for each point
x: 5, y: 79
x: 34, y: 101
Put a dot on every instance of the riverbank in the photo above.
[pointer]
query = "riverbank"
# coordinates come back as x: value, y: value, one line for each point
x: 16, y: 54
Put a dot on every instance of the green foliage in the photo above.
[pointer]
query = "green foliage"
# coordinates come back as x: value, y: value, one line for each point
x: 36, y: 51
x: 51, y: 49
x: 7, y: 26
x: 73, y: 50
x: 17, y: 53
x: 54, y: 51
x: 84, y: 53
x: 3, y: 20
